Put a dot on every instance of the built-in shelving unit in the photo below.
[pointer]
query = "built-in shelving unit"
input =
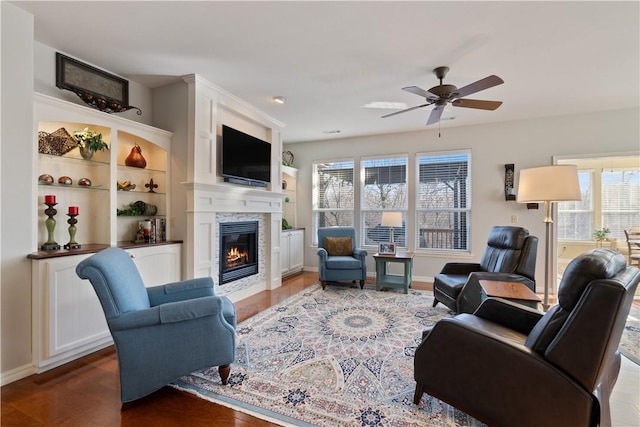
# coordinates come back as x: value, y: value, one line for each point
x: 67, y: 319
x: 98, y: 222
x: 289, y: 195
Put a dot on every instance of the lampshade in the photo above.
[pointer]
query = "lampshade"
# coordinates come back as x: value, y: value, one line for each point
x: 391, y: 219
x: 556, y: 183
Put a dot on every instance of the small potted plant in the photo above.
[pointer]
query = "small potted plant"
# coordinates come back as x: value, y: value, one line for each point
x: 601, y: 235
x: 89, y: 142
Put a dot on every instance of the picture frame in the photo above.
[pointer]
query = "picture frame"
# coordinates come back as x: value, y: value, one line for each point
x: 97, y: 88
x: 387, y: 248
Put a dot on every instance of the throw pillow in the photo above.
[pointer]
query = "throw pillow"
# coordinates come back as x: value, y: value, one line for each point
x: 338, y: 246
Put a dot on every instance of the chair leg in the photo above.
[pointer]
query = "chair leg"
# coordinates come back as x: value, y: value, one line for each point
x: 417, y: 395
x: 435, y: 302
x: 361, y: 284
x: 224, y: 371
x: 324, y: 284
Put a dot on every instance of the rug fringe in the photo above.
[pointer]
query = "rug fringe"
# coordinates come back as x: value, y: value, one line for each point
x: 230, y: 405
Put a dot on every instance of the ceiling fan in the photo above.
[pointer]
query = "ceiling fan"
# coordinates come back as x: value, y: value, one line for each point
x: 442, y: 94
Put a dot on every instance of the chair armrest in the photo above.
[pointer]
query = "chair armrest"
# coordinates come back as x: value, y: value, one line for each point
x: 509, y: 314
x: 360, y: 253
x: 173, y: 312
x: 322, y: 253
x: 462, y: 268
x: 181, y: 291
x: 135, y: 319
x: 192, y: 309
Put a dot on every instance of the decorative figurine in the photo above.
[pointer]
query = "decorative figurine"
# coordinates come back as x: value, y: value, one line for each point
x: 151, y: 186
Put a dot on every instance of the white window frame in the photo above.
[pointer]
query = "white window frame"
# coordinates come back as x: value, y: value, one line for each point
x: 315, y: 196
x: 364, y: 209
x: 467, y: 210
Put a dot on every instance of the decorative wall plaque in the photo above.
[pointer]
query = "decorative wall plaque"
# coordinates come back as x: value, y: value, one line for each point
x: 97, y: 88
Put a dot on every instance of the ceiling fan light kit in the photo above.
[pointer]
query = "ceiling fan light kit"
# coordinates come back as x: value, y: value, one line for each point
x: 444, y: 94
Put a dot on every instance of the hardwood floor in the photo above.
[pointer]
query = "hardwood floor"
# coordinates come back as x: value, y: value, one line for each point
x: 86, y: 392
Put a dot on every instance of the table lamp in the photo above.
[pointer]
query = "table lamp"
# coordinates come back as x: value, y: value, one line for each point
x: 391, y: 219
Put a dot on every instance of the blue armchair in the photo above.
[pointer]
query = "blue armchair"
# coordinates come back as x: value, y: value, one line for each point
x: 164, y: 332
x: 339, y: 259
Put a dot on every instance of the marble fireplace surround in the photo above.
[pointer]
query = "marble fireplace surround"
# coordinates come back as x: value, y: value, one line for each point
x: 218, y: 203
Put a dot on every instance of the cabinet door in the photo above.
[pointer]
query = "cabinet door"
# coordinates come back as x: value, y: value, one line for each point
x: 158, y: 264
x: 68, y: 320
x: 284, y: 252
x: 296, y: 250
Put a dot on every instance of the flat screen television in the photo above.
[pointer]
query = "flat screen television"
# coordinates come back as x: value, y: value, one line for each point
x: 245, y: 158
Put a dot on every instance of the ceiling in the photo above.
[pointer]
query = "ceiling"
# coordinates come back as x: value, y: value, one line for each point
x: 329, y: 59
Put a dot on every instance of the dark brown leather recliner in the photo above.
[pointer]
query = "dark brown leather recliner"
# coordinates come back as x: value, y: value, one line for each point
x: 510, y: 256
x: 509, y: 365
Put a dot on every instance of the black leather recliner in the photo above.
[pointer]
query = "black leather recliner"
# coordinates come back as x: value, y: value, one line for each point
x: 510, y: 365
x: 510, y: 256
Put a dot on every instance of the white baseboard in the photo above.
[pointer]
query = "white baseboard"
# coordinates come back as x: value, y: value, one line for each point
x: 16, y: 374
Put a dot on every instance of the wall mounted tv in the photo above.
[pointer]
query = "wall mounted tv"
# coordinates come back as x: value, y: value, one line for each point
x: 245, y: 159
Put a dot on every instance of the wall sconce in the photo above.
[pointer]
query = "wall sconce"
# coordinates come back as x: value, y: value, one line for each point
x: 509, y: 191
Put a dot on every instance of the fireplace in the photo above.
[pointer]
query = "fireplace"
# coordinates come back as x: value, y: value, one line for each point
x: 238, y: 250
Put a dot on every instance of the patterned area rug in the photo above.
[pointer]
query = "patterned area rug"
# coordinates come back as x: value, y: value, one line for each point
x: 630, y: 342
x: 343, y: 356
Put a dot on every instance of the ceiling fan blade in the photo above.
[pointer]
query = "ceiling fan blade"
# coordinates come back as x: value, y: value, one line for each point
x: 420, y: 92
x: 477, y: 103
x: 405, y: 110
x: 482, y: 84
x: 434, y: 117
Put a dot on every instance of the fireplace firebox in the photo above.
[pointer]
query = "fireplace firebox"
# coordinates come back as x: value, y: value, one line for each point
x: 238, y: 250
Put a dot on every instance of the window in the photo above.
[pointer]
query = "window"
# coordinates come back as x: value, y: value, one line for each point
x: 620, y: 200
x: 384, y: 189
x: 575, y: 219
x: 610, y: 199
x: 443, y: 205
x: 333, y: 195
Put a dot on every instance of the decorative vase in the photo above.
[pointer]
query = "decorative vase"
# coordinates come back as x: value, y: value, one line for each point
x: 86, y: 153
x: 135, y: 158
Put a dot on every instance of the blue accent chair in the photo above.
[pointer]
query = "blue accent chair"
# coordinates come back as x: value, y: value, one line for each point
x: 163, y: 332
x: 342, y: 267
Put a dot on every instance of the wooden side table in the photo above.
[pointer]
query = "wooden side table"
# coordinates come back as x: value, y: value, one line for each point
x: 512, y: 291
x: 386, y: 280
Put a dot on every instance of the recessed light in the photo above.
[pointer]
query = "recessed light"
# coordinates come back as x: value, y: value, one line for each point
x: 279, y: 99
x: 386, y: 105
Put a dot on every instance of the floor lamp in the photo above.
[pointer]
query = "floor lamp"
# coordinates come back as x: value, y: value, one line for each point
x: 548, y: 184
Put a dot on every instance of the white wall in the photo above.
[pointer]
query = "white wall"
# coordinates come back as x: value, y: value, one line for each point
x: 526, y: 143
x: 17, y: 220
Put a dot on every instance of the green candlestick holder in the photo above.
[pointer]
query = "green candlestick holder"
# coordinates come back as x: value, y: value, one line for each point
x: 72, y: 221
x: 50, y: 223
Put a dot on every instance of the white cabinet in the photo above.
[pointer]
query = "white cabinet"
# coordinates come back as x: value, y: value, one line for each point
x: 68, y: 321
x: 157, y: 264
x: 292, y: 251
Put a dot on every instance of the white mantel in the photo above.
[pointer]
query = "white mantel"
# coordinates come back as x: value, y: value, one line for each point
x: 231, y: 198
